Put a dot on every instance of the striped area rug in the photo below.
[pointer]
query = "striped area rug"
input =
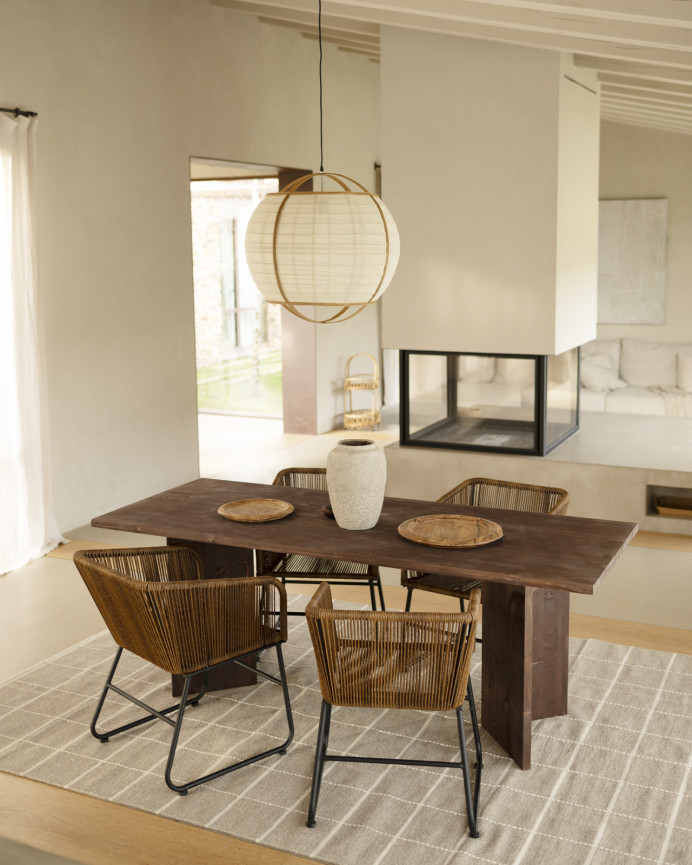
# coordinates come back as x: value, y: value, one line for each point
x: 610, y: 781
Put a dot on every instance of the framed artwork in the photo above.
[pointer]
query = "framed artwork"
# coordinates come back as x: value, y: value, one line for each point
x: 632, y: 261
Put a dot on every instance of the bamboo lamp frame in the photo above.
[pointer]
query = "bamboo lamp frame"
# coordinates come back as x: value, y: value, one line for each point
x: 345, y: 310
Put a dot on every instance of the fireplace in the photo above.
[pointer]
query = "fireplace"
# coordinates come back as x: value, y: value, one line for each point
x: 520, y: 404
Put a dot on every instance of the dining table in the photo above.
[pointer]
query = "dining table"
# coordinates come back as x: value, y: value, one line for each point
x: 527, y: 576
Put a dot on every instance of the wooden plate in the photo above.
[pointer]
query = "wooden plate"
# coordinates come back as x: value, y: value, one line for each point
x: 255, y: 510
x: 674, y: 506
x: 450, y: 530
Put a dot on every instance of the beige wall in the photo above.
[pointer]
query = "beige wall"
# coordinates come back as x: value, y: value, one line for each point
x: 648, y: 163
x: 474, y: 175
x: 127, y: 92
x: 576, y: 291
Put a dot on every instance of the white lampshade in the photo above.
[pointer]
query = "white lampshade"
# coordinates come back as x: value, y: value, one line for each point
x: 332, y: 248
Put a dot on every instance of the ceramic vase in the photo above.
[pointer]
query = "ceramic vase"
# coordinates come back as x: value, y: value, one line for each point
x: 356, y: 475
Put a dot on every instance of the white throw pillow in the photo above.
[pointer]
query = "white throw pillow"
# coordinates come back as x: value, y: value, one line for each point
x: 515, y: 370
x: 648, y: 364
x: 608, y: 347
x: 476, y: 368
x: 596, y: 376
x: 685, y: 372
x: 597, y: 360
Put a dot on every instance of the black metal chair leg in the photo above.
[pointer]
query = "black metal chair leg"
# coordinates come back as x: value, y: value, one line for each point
x: 279, y: 749
x: 407, y: 608
x: 320, y: 751
x: 180, y: 707
x: 153, y: 713
x: 381, y: 593
x: 174, y: 742
x: 373, y: 602
x: 287, y: 701
x: 103, y: 736
x: 471, y: 807
x: 474, y: 722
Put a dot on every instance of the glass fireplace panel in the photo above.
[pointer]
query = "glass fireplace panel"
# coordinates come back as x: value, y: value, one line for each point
x: 490, y: 402
x: 427, y: 391
x: 561, y: 397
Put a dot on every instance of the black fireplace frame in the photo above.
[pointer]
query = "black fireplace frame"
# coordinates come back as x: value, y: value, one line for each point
x: 541, y: 445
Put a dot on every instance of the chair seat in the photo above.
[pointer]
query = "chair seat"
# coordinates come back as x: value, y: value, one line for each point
x: 293, y: 564
x: 440, y: 584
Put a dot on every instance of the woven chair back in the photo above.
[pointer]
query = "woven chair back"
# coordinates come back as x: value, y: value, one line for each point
x: 489, y: 493
x: 303, y: 478
x: 392, y: 659
x: 156, y: 604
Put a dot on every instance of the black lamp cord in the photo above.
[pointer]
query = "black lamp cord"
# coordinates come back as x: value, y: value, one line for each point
x: 319, y: 30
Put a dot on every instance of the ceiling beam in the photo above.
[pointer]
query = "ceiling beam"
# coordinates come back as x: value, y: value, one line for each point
x: 662, y: 13
x: 308, y: 16
x: 626, y: 117
x: 328, y: 33
x: 634, y: 95
x: 647, y: 86
x: 641, y: 49
x: 356, y: 47
x: 648, y: 71
x: 681, y: 115
x: 536, y: 25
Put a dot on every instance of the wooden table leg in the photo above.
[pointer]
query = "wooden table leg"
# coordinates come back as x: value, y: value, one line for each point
x: 220, y: 562
x: 507, y: 668
x: 550, y: 653
x: 525, y: 655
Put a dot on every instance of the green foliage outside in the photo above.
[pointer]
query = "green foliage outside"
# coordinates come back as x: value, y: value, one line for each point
x: 244, y: 385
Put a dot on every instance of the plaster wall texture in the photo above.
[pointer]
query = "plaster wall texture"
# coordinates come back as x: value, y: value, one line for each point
x: 649, y: 163
x: 477, y: 141
x: 126, y: 94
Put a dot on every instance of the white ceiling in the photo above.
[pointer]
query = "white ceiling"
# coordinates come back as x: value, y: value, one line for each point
x: 641, y: 49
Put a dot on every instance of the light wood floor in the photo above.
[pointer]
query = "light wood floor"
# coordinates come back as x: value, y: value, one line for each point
x: 89, y: 831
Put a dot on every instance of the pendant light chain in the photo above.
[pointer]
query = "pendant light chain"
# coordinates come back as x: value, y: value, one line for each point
x: 319, y: 32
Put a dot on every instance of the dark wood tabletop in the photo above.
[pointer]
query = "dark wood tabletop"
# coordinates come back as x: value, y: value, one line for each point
x: 546, y: 552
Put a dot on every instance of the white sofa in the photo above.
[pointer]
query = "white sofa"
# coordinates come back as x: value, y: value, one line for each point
x: 632, y: 376
x: 626, y: 376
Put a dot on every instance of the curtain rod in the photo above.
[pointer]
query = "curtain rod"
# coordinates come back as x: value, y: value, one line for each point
x: 19, y: 112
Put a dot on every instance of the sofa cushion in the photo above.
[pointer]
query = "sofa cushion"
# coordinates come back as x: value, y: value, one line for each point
x: 515, y: 370
x: 475, y: 393
x: 648, y: 364
x: 596, y: 374
x: 609, y: 347
x: 685, y: 371
x: 479, y: 368
x: 635, y: 400
x: 592, y: 400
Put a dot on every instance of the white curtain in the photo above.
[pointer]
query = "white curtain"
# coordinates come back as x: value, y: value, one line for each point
x: 27, y: 527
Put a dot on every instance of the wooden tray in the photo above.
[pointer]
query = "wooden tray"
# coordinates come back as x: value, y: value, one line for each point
x: 450, y: 530
x: 674, y: 506
x: 255, y: 510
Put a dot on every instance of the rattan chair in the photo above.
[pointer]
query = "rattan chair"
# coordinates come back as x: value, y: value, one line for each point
x: 394, y: 660
x: 157, y: 604
x: 295, y: 568
x: 485, y: 493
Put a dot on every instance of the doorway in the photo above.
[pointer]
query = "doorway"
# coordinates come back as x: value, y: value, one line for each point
x: 237, y: 334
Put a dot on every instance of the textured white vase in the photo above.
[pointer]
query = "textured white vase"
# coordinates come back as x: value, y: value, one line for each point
x: 356, y: 475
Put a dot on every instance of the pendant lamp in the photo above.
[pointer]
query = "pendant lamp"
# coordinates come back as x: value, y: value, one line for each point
x: 334, y: 247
